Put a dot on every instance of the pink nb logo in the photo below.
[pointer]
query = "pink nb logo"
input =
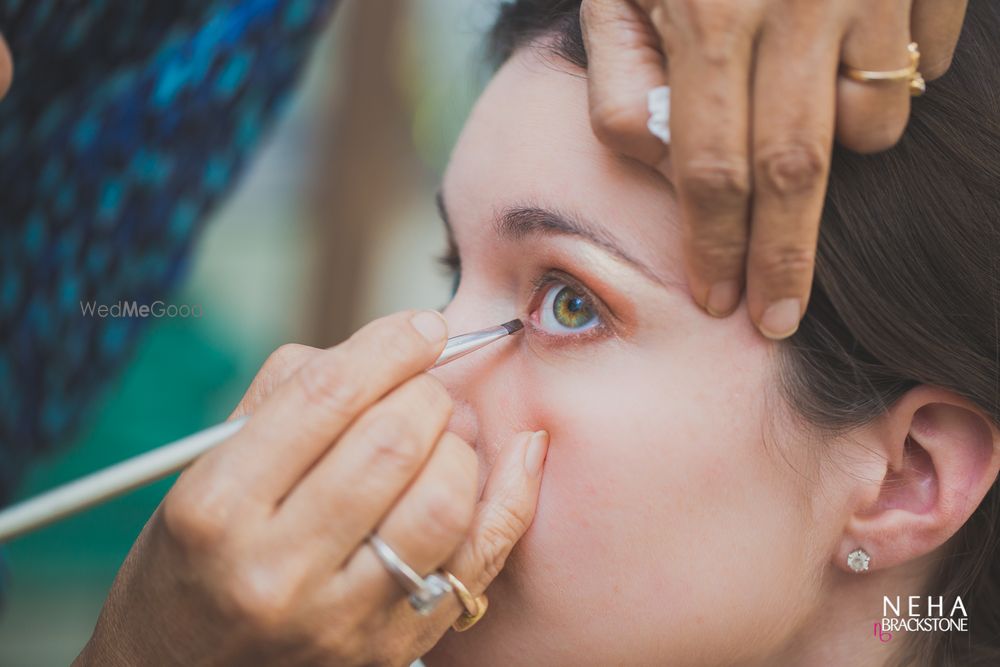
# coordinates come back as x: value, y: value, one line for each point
x: 882, y: 635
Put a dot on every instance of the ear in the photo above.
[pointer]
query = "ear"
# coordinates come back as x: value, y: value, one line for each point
x: 929, y: 462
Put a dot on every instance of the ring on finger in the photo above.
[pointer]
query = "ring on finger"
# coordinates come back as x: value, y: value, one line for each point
x: 474, y: 606
x: 425, y: 592
x: 909, y: 73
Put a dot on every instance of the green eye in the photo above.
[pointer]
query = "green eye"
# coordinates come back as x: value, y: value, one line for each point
x: 565, y: 310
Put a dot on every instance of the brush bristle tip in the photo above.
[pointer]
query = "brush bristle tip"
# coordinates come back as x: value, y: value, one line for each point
x: 513, y: 326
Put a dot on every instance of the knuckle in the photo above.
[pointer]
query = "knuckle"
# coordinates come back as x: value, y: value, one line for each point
x: 394, y: 338
x: 460, y: 453
x: 278, y: 366
x: 785, y: 261
x: 349, y: 648
x: 432, y: 395
x: 719, y: 47
x: 712, y: 246
x: 326, y: 382
x: 717, y: 26
x: 495, y: 542
x: 495, y: 539
x: 605, y: 15
x: 791, y: 168
x: 260, y: 596
x: 194, y: 521
x: 713, y: 184
x: 285, y: 356
x: 592, y: 13
x: 447, y: 513
x: 614, y: 119
x: 392, y: 444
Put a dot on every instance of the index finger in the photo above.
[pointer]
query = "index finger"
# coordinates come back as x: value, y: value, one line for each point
x: 793, y: 138
x: 710, y: 77
x: 302, y: 419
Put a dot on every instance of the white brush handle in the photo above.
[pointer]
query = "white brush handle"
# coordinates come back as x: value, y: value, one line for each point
x: 151, y: 466
x: 113, y: 481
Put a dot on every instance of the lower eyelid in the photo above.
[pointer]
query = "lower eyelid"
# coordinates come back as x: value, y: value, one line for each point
x: 565, y: 340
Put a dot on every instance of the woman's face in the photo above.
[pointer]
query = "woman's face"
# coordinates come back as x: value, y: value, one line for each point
x: 665, y: 527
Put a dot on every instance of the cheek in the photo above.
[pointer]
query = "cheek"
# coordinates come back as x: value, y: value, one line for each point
x: 633, y: 460
x: 657, y: 487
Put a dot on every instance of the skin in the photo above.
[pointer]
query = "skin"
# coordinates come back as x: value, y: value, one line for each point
x: 6, y: 68
x: 756, y: 102
x: 212, y: 580
x: 667, y: 531
x: 257, y: 554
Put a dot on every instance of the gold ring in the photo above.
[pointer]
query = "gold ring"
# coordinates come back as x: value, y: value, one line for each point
x: 909, y: 73
x: 474, y: 606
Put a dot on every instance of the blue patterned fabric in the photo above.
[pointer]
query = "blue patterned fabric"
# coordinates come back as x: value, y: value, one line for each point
x: 126, y: 122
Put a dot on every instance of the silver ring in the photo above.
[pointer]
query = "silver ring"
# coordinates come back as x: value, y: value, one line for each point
x: 425, y: 592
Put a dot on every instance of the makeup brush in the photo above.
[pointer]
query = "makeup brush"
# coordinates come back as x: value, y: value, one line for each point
x: 140, y: 470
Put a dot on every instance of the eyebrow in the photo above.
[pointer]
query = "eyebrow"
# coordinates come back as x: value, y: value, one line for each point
x: 519, y: 222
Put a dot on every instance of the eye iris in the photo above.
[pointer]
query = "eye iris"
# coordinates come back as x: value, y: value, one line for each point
x: 571, y: 310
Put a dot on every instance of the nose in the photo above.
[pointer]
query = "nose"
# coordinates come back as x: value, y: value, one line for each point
x: 453, y: 376
x: 464, y: 378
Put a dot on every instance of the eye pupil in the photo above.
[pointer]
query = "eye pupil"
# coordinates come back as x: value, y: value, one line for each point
x: 571, y: 310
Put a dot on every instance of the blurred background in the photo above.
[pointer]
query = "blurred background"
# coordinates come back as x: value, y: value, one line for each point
x: 332, y: 225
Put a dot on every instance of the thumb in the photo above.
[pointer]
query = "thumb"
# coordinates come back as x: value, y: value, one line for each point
x: 281, y: 365
x: 504, y: 512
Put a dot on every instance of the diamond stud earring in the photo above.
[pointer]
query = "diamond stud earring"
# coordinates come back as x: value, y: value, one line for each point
x: 858, y: 560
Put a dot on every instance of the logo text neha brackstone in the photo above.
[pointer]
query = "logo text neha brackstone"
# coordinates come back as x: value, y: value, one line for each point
x: 920, y: 614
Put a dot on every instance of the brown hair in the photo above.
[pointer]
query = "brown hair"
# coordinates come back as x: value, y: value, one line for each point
x: 906, y: 289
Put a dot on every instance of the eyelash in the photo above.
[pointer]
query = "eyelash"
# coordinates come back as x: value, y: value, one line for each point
x: 452, y: 262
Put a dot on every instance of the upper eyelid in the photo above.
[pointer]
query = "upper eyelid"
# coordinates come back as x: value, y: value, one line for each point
x: 451, y: 258
x: 549, y: 276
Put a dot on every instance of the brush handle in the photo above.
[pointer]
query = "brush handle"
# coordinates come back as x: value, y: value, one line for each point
x: 162, y: 461
x: 113, y: 481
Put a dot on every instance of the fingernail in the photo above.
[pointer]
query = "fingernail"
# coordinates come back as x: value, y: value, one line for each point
x: 722, y: 298
x: 781, y: 319
x: 534, y: 456
x: 430, y: 324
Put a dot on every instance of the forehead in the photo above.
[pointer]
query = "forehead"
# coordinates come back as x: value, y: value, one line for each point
x: 529, y: 140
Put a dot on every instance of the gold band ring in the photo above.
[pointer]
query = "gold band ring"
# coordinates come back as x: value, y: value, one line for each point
x: 474, y: 606
x: 909, y: 73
